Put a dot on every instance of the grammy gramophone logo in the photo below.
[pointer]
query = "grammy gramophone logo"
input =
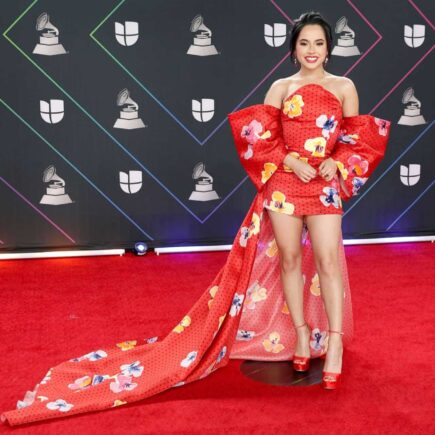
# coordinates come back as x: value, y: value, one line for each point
x: 412, y: 112
x: 203, y: 110
x: 202, y: 45
x: 414, y: 36
x: 129, y: 115
x: 203, y: 185
x: 130, y: 182
x: 346, y: 40
x: 55, y: 193
x: 127, y: 34
x: 52, y: 111
x: 275, y: 34
x: 48, y: 38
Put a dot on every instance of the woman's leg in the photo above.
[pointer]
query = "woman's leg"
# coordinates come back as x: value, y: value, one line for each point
x: 325, y: 235
x: 287, y: 230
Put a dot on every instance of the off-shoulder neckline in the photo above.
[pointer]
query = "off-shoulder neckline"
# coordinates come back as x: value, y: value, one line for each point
x: 274, y: 108
x: 319, y: 86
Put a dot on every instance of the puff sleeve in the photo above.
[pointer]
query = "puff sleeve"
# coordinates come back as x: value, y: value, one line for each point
x: 359, y: 149
x: 257, y: 133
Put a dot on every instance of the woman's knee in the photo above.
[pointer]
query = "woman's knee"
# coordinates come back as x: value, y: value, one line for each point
x: 290, y: 261
x: 328, y: 264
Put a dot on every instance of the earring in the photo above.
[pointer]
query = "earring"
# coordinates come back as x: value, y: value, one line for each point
x: 295, y: 61
x: 326, y: 61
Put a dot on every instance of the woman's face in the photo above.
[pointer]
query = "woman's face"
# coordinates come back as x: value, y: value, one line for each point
x: 311, y: 49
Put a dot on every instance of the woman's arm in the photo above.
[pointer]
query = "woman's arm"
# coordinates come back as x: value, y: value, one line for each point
x: 276, y: 94
x: 274, y: 97
x: 350, y: 97
x: 360, y: 146
x: 257, y: 133
x: 350, y: 106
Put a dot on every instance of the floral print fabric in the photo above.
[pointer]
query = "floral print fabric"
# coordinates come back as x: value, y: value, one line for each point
x: 314, y: 129
x: 242, y: 313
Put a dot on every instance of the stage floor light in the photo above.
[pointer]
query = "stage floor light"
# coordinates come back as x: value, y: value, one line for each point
x: 140, y: 248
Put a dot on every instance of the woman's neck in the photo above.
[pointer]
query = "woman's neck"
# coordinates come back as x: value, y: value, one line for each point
x: 317, y: 75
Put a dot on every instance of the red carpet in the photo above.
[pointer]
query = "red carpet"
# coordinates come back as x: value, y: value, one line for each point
x: 53, y: 310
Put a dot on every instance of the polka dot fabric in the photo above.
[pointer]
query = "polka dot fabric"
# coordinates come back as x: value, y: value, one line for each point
x: 257, y: 132
x: 310, y: 119
x: 242, y: 314
x: 198, y: 344
x: 313, y: 129
x: 360, y: 148
x: 266, y: 331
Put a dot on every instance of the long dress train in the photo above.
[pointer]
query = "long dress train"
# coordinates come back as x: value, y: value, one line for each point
x: 242, y: 314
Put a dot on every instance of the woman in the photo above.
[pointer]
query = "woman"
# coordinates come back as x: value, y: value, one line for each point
x: 310, y: 46
x: 314, y: 150
x: 291, y: 147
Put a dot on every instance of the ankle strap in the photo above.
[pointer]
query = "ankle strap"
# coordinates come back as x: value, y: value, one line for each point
x: 338, y: 332
x: 301, y: 325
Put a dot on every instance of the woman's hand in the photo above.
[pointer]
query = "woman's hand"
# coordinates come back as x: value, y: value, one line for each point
x: 327, y: 169
x: 303, y: 170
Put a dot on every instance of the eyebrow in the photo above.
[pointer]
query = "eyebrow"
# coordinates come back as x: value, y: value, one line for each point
x: 300, y: 40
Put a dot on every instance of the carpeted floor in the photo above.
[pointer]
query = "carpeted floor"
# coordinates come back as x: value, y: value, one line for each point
x: 53, y: 310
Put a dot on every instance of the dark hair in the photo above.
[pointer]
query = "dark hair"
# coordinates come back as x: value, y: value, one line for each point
x: 310, y: 17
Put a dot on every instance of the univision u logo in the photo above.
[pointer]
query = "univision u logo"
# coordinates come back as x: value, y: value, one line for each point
x: 128, y: 33
x: 276, y: 34
x: 131, y: 182
x: 51, y: 112
x: 203, y: 110
x: 410, y: 175
x: 414, y: 36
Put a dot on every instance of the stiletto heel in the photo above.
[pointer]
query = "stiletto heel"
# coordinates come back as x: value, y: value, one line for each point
x: 330, y: 380
x: 301, y: 363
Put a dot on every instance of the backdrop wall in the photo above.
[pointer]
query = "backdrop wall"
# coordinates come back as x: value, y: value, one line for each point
x: 108, y: 107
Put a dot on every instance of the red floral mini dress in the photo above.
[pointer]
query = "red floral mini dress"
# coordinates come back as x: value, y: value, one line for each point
x: 311, y: 118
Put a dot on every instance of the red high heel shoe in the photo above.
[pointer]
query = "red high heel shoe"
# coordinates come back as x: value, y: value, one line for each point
x: 301, y: 363
x: 330, y: 380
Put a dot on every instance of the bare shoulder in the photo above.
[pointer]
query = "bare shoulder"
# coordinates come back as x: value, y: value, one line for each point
x: 349, y: 96
x: 276, y: 93
x: 347, y: 86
